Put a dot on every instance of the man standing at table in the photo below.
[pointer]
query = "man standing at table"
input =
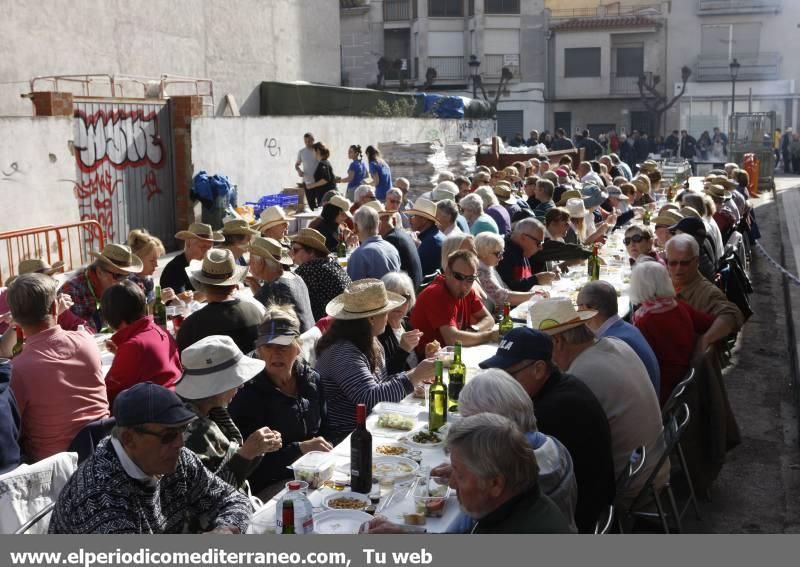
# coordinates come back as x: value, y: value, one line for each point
x: 449, y: 310
x: 308, y: 159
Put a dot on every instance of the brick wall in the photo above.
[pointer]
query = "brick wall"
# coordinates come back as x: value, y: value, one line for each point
x: 183, y: 109
x: 52, y: 103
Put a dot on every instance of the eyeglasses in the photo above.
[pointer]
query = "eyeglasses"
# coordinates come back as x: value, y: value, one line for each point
x: 682, y: 263
x: 115, y: 276
x: 536, y: 240
x: 463, y: 277
x: 167, y: 436
x: 635, y: 238
x: 498, y: 254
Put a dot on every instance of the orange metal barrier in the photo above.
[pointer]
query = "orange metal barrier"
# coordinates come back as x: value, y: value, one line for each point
x: 69, y: 243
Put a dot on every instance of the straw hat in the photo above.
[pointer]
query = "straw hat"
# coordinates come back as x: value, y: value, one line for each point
x: 642, y: 183
x: 341, y: 203
x: 567, y: 195
x: 576, y: 208
x: 214, y: 365
x: 667, y: 218
x: 218, y: 269
x: 717, y: 192
x: 648, y: 166
x: 238, y: 226
x: 723, y: 181
x: 272, y: 216
x: 556, y: 315
x: 200, y: 231
x: 363, y: 298
x: 271, y: 250
x: 689, y: 212
x: 39, y: 266
x: 444, y: 190
x: 424, y: 208
x: 119, y: 258
x: 670, y: 207
x: 376, y: 206
x: 311, y: 238
x: 503, y: 193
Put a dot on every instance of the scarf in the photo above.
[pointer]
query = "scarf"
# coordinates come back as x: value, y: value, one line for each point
x: 660, y: 305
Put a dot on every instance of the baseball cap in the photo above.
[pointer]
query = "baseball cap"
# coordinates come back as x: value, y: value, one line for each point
x: 520, y: 344
x: 147, y: 402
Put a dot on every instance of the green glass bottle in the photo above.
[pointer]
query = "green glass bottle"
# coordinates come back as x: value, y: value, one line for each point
x: 506, y: 324
x: 17, y: 348
x: 456, y: 377
x: 594, y: 264
x: 437, y: 400
x: 341, y: 249
x: 159, y: 310
x: 646, y: 217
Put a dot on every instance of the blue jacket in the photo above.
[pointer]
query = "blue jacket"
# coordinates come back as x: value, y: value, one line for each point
x: 635, y: 339
x: 9, y: 422
x: 430, y: 250
x: 373, y: 259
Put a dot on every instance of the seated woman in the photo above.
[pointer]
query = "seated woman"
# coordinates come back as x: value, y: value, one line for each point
x: 285, y: 396
x: 149, y: 248
x: 672, y: 327
x: 397, y: 340
x: 639, y: 242
x: 214, y: 372
x: 333, y: 221
x: 350, y: 360
x: 144, y: 352
x: 490, y: 248
x: 238, y: 236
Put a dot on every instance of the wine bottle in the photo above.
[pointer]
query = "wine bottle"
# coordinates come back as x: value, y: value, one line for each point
x: 17, y: 348
x: 287, y: 517
x: 457, y: 374
x: 341, y: 249
x: 361, y: 454
x: 506, y: 324
x: 594, y: 264
x: 437, y: 400
x: 159, y: 310
x: 646, y: 217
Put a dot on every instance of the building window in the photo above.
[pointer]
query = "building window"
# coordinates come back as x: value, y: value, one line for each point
x: 446, y: 8
x: 630, y: 61
x: 502, y: 6
x: 731, y: 40
x: 582, y: 62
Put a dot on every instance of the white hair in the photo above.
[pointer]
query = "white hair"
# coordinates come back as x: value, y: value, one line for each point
x: 526, y: 226
x: 649, y: 281
x: 488, y: 243
x: 394, y: 191
x: 366, y: 219
x: 684, y: 242
x: 362, y: 191
x: 446, y: 176
x: 487, y: 195
x: 400, y: 282
x: 495, y: 391
x: 472, y: 203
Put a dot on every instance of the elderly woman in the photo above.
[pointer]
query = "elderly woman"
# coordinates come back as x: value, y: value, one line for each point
x: 489, y: 248
x: 285, y: 396
x: 493, y: 208
x: 639, y: 242
x: 209, y: 387
x: 333, y: 221
x: 494, y: 391
x: 446, y: 216
x: 350, y: 360
x: 472, y: 209
x: 397, y: 340
x: 672, y: 327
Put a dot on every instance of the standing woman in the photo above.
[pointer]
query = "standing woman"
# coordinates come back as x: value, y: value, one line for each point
x: 381, y: 174
x: 324, y: 179
x: 356, y: 173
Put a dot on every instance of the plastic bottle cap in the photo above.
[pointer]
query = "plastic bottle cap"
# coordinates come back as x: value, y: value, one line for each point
x: 293, y: 485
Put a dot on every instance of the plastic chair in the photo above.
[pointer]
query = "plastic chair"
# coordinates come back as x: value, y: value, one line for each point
x: 38, y: 517
x: 604, y: 523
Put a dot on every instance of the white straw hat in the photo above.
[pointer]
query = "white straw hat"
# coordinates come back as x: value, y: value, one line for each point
x: 214, y: 365
x: 553, y: 316
x: 363, y: 298
x: 218, y: 269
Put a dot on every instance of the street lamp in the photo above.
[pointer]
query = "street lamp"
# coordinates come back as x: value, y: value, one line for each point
x: 734, y: 74
x: 474, y: 63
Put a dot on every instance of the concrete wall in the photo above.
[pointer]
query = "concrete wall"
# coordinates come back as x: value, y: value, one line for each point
x: 237, y: 45
x: 258, y: 154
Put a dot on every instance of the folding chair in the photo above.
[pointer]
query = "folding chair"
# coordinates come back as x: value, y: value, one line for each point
x: 676, y: 396
x: 635, y: 465
x: 604, y: 523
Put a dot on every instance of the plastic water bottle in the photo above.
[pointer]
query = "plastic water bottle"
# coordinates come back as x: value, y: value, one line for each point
x: 303, y: 511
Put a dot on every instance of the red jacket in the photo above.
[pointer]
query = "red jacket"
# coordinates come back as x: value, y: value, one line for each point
x: 145, y: 353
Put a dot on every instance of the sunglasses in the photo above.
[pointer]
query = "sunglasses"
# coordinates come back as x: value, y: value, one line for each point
x: 682, y: 263
x: 464, y: 278
x: 115, y: 276
x: 635, y: 238
x: 167, y: 436
x: 536, y: 240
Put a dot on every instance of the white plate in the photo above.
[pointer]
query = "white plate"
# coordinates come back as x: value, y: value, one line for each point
x: 401, y: 409
x: 397, y: 468
x: 340, y: 521
x: 376, y: 444
x: 388, y: 432
x: 345, y: 494
x: 409, y: 441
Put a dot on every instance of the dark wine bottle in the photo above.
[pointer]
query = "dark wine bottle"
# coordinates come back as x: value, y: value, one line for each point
x: 159, y: 310
x: 361, y: 454
x: 456, y: 375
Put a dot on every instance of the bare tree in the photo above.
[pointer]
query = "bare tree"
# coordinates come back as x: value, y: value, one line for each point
x: 655, y: 102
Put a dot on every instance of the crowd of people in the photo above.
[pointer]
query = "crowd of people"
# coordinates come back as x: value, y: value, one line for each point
x: 202, y: 422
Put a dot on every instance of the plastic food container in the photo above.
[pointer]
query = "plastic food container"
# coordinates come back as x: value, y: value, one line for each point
x: 315, y: 467
x: 430, y: 497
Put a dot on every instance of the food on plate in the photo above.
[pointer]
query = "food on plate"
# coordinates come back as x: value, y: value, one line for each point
x: 391, y: 450
x: 346, y: 503
x: 431, y: 507
x: 414, y: 519
x: 432, y: 348
x: 426, y: 437
x: 396, y: 421
x: 392, y: 468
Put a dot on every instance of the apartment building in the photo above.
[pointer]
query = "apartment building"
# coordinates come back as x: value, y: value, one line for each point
x: 458, y: 39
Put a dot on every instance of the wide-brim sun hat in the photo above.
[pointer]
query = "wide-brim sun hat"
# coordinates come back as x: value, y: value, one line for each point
x: 567, y: 195
x: 272, y: 216
x: 717, y: 192
x: 667, y: 218
x: 556, y: 315
x: 311, y: 238
x: 238, y: 227
x: 444, y: 190
x: 424, y: 208
x: 363, y: 298
x: 593, y: 196
x: 214, y: 365
x: 576, y: 208
x: 119, y: 258
x: 270, y: 250
x: 200, y: 231
x: 342, y: 204
x: 503, y: 192
x: 219, y: 268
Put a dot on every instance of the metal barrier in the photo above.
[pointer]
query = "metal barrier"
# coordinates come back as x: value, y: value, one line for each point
x: 69, y: 243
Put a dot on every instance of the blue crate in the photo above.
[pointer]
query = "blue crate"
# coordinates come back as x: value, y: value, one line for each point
x: 272, y: 200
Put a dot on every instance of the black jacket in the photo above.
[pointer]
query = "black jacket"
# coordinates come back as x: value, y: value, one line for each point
x: 409, y: 259
x: 515, y: 269
x: 260, y: 404
x: 528, y: 513
x: 688, y: 147
x: 591, y: 148
x: 396, y: 358
x: 9, y: 422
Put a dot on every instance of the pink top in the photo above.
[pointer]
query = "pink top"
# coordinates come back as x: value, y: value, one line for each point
x: 59, y: 389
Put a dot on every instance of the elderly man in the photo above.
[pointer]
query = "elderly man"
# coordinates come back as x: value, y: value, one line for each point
x: 691, y: 287
x: 363, y: 195
x: 617, y: 378
x: 449, y: 310
x: 321, y: 272
x: 478, y: 221
x: 56, y: 379
x: 274, y: 223
x: 623, y: 167
x: 142, y: 480
x: 524, y: 242
x: 423, y: 221
x: 543, y: 192
x: 85, y: 289
x: 400, y: 239
x: 197, y: 240
x: 374, y: 257
x: 273, y: 283
x: 395, y: 202
x: 601, y: 297
x: 567, y: 410
x: 495, y: 477
x: 588, y: 176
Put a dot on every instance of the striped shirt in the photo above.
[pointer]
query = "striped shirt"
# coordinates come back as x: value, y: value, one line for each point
x: 347, y: 381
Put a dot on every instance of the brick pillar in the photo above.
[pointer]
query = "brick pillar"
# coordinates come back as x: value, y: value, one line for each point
x: 183, y: 109
x: 47, y: 103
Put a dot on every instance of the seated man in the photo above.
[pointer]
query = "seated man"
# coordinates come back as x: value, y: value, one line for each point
x: 423, y: 222
x: 567, y: 410
x: 495, y: 475
x: 56, y: 378
x: 197, y: 240
x: 403, y: 243
x: 543, y: 191
x: 374, y: 257
x: 692, y: 288
x: 449, y: 310
x: 524, y: 242
x: 142, y: 480
x: 601, y: 297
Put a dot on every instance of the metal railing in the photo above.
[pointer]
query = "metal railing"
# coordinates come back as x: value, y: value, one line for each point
x: 68, y: 243
x: 624, y: 85
x: 616, y: 9
x: 449, y: 67
x: 727, y: 7
x: 396, y: 10
x: 761, y: 67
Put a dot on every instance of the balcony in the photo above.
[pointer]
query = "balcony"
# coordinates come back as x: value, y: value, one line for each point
x: 492, y: 66
x: 396, y: 10
x: 730, y: 7
x: 624, y: 85
x: 761, y: 67
x: 611, y: 10
x: 449, y: 68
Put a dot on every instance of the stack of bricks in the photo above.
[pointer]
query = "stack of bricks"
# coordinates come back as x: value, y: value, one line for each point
x: 46, y: 103
x: 183, y: 109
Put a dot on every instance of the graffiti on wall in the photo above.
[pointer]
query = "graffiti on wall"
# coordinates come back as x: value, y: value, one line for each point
x: 122, y: 139
x: 272, y: 147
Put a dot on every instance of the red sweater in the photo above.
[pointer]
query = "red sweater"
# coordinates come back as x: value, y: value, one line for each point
x: 145, y: 353
x: 673, y: 336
